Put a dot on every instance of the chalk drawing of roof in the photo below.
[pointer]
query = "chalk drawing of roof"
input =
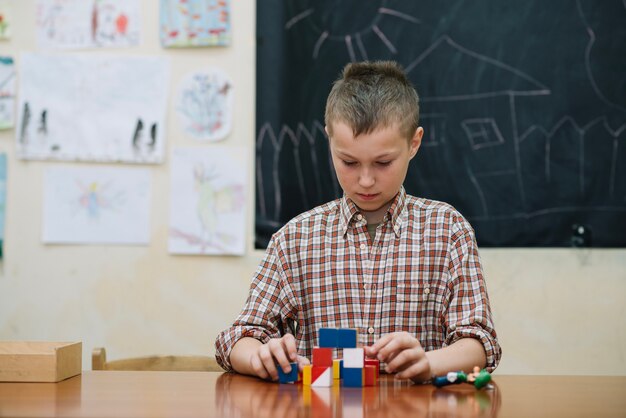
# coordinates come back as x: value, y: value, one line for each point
x: 462, y: 74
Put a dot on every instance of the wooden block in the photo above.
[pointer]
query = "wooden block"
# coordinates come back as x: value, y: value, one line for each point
x: 306, y: 375
x: 22, y: 361
x: 337, y: 368
x: 321, y: 376
x: 375, y: 363
x: 290, y: 377
x: 323, y: 357
x: 352, y: 377
x: 353, y: 357
x: 370, y: 376
x: 327, y: 337
x: 346, y: 338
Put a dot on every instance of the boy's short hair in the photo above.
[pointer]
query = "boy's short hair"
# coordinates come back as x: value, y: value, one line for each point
x: 373, y: 95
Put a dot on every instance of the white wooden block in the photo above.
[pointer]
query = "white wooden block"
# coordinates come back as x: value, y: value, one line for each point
x: 353, y: 358
x: 325, y: 380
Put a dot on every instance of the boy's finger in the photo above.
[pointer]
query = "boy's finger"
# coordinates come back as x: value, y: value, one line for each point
x: 280, y: 357
x: 289, y: 342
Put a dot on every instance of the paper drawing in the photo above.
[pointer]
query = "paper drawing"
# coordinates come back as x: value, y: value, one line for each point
x: 205, y: 102
x: 3, y: 198
x: 6, y: 19
x: 208, y: 196
x: 188, y: 23
x: 96, y: 205
x: 92, y: 108
x: 7, y: 92
x: 87, y: 23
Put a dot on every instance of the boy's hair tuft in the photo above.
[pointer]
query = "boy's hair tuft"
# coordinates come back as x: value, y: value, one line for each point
x: 373, y: 95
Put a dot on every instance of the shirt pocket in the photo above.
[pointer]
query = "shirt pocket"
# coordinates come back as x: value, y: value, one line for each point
x: 420, y: 303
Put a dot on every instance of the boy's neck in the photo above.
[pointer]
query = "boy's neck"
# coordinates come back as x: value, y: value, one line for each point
x: 376, y: 217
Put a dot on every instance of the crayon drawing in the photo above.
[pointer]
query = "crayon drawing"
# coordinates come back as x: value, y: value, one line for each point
x: 67, y: 24
x: 6, y: 20
x: 96, y: 205
x: 189, y: 23
x: 7, y: 92
x: 92, y: 108
x: 3, y: 199
x: 205, y: 102
x: 208, y: 196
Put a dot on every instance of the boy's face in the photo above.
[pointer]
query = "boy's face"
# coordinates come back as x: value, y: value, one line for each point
x: 372, y: 167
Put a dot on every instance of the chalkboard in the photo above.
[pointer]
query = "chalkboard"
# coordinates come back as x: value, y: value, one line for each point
x: 523, y: 105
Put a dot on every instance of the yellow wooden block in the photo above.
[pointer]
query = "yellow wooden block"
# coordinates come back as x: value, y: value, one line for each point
x: 306, y: 375
x: 336, y: 369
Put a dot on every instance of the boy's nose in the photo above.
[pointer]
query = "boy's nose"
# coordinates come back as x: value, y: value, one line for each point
x: 366, y: 179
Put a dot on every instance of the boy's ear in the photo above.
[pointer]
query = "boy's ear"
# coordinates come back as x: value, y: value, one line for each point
x: 326, y: 130
x: 416, y: 141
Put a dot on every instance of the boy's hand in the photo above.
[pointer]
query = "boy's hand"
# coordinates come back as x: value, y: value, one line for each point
x: 277, y: 350
x: 403, y: 354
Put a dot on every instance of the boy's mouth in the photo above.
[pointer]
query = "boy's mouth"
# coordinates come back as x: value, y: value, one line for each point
x: 367, y: 196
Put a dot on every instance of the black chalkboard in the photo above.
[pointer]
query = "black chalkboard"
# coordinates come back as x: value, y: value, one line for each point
x: 523, y: 104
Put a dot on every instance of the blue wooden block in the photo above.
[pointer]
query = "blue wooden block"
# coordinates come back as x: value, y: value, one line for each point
x: 327, y: 337
x: 288, y: 377
x: 352, y: 377
x: 346, y: 338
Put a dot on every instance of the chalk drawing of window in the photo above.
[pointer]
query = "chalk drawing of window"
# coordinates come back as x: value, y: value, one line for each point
x: 482, y: 133
x: 434, y: 129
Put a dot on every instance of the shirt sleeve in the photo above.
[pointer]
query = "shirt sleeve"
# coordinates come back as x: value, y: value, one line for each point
x: 468, y: 314
x: 267, y: 310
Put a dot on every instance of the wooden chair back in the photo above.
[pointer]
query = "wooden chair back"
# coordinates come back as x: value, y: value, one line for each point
x: 154, y: 363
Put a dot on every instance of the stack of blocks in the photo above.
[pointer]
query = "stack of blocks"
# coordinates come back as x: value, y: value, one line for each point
x: 354, y: 369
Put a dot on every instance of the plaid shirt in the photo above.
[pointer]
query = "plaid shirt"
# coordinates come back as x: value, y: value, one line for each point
x: 421, y: 274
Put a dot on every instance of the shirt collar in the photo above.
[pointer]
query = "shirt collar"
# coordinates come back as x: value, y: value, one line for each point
x: 348, y: 211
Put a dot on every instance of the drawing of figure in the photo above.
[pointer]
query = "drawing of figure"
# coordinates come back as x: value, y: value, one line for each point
x: 206, y: 202
x: 213, y: 201
x: 94, y: 198
x: 205, y: 105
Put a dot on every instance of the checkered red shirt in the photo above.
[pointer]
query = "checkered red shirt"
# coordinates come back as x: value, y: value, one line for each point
x: 421, y: 274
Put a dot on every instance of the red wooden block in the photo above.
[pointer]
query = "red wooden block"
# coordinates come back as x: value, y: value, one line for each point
x: 323, y: 357
x: 375, y: 363
x: 370, y: 375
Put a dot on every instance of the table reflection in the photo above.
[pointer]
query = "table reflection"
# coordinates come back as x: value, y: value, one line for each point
x: 244, y: 396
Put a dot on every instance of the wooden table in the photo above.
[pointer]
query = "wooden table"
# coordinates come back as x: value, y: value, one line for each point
x: 207, y: 394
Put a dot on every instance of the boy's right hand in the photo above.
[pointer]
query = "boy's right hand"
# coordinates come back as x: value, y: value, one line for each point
x: 281, y: 351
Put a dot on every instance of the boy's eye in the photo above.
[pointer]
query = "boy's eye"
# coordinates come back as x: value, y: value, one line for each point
x: 384, y: 163
x: 349, y: 163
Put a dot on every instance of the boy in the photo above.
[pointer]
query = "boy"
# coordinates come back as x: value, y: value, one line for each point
x: 403, y: 271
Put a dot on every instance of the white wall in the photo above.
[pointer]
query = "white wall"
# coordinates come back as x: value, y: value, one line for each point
x: 557, y: 311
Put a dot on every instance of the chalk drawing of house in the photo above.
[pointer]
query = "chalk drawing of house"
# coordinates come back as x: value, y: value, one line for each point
x: 471, y: 143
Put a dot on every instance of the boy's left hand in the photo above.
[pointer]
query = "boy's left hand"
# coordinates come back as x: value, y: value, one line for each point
x: 403, y: 354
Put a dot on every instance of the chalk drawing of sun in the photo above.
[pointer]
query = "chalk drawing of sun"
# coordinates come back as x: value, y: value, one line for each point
x: 343, y: 21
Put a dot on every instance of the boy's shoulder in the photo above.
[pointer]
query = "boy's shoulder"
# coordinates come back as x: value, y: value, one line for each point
x: 329, y: 211
x: 419, y: 208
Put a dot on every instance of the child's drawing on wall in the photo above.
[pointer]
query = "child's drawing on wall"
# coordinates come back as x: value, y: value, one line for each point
x: 96, y: 205
x: 205, y: 105
x: 87, y: 23
x: 207, y: 211
x: 186, y: 23
x: 7, y: 92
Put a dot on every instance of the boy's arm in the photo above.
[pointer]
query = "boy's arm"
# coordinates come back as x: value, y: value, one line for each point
x: 464, y: 354
x: 467, y: 316
x: 263, y: 316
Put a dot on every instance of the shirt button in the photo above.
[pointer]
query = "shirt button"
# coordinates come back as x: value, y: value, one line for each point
x: 359, y: 217
x: 366, y: 286
x: 427, y: 291
x: 370, y: 330
x: 363, y: 246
